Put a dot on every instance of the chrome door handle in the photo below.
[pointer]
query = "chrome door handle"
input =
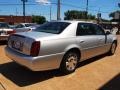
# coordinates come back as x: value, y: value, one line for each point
x: 100, y: 39
x: 81, y: 41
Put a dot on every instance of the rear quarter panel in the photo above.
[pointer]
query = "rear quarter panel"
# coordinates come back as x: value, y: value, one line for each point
x: 56, y: 46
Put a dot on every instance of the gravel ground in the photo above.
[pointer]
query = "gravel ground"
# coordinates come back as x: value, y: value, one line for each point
x: 101, y: 73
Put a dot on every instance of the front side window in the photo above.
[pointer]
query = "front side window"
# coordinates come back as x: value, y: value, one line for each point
x: 84, y: 29
x: 52, y: 27
x: 98, y: 30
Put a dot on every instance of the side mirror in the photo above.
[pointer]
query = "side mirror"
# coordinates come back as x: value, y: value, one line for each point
x: 108, y: 32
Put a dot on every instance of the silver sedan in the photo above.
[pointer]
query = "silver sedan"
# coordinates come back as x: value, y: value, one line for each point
x: 60, y: 44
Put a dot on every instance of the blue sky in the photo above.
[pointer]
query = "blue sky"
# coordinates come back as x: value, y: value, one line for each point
x: 95, y: 6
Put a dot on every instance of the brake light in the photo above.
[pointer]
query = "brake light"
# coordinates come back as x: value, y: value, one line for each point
x: 35, y: 48
x: 11, y: 32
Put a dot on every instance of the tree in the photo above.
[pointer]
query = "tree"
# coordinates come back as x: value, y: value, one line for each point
x: 112, y: 14
x: 75, y: 14
x: 38, y: 19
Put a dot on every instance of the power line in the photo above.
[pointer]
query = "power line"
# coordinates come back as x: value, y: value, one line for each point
x: 71, y: 5
x: 22, y: 4
x: 63, y: 4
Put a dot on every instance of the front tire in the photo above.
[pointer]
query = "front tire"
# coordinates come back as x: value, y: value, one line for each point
x: 69, y: 62
x: 113, y: 48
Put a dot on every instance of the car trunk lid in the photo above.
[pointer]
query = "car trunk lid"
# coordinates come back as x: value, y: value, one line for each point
x: 22, y: 42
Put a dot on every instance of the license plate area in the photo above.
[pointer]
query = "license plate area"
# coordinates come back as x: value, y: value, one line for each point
x: 16, y: 42
x: 2, y: 33
x: 18, y: 45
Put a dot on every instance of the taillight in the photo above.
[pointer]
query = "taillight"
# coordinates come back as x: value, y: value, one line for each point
x: 35, y: 48
x: 11, y: 32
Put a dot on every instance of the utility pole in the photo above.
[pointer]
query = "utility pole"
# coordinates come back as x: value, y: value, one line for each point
x: 119, y: 20
x: 58, y: 10
x: 87, y: 10
x: 24, y: 1
x: 98, y: 16
x: 50, y: 11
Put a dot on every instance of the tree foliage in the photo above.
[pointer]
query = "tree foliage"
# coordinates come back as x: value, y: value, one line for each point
x: 112, y: 14
x: 74, y: 14
x: 38, y: 19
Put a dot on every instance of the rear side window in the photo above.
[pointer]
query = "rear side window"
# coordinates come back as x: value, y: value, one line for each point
x: 4, y: 25
x: 85, y: 29
x: 52, y: 27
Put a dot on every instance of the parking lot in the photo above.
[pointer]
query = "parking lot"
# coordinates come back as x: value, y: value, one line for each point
x: 101, y: 73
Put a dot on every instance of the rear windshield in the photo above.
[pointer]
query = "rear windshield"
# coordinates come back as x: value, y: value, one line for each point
x: 28, y: 25
x: 4, y: 25
x: 52, y: 27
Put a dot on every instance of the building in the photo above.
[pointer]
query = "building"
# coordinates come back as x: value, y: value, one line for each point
x: 15, y: 19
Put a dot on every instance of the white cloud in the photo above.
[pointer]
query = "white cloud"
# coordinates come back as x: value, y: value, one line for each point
x: 43, y: 2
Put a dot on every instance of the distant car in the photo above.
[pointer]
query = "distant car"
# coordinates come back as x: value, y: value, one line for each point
x: 60, y: 44
x: 25, y: 27
x: 5, y: 31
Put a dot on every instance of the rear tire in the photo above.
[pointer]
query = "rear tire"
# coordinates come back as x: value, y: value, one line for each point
x: 112, y: 49
x: 69, y: 62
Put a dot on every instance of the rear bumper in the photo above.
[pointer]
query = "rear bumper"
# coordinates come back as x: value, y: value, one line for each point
x: 4, y: 37
x: 39, y: 63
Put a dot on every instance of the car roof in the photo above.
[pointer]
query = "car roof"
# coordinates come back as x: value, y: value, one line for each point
x: 3, y: 22
x: 27, y: 23
x: 74, y: 21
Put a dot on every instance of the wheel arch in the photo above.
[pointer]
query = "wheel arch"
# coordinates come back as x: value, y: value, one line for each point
x: 73, y: 49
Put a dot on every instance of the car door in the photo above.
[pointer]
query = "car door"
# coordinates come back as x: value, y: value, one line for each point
x: 87, y: 40
x: 102, y: 38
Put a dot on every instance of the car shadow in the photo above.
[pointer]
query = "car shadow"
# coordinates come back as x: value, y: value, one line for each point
x: 88, y: 61
x: 113, y: 84
x: 3, y: 42
x: 23, y: 77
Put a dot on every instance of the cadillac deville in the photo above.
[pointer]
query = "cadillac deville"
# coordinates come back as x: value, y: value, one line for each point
x: 60, y: 45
